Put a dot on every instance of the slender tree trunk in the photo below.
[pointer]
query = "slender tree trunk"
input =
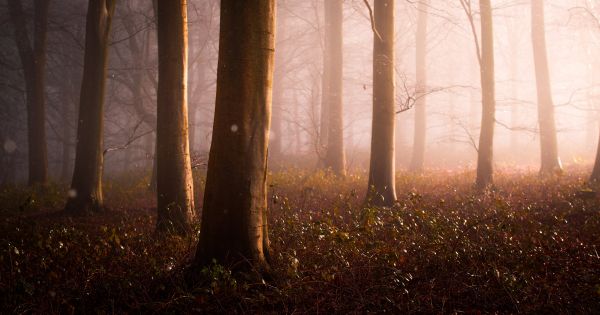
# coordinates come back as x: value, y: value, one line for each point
x: 173, y: 165
x: 33, y: 61
x: 418, y: 157
x: 549, y: 151
x: 485, y: 154
x: 596, y: 171
x: 234, y: 218
x: 335, y: 157
x: 382, y: 184
x: 86, y: 185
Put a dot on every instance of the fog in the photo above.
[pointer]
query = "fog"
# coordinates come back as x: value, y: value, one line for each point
x: 452, y: 91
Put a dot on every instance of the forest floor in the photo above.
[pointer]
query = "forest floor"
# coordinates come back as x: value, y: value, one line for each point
x: 527, y: 245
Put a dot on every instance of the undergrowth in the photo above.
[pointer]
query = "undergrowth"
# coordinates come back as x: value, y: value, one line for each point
x: 526, y: 245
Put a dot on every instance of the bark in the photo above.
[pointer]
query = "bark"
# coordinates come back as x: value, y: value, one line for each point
x: 382, y: 186
x: 33, y: 61
x: 485, y: 153
x: 173, y: 164
x: 332, y: 91
x: 418, y: 157
x: 86, y: 186
x: 549, y: 150
x: 234, y: 218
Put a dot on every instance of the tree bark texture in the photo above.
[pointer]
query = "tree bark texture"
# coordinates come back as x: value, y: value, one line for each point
x: 86, y: 186
x: 234, y: 217
x: 173, y: 165
x: 382, y: 185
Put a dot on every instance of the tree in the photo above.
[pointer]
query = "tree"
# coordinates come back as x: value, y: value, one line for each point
x: 485, y: 153
x: 33, y: 61
x: 595, y: 177
x: 174, y: 172
x: 332, y: 90
x: 234, y: 221
x: 86, y: 186
x: 418, y: 157
x: 382, y: 186
x: 549, y: 151
x: 485, y: 58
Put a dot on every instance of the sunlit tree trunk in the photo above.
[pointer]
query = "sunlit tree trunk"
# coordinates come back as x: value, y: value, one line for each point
x: 549, y: 150
x: 332, y: 90
x: 86, y: 185
x: 234, y: 217
x: 382, y: 187
x: 418, y: 156
x: 174, y: 185
x: 33, y: 61
x: 485, y: 156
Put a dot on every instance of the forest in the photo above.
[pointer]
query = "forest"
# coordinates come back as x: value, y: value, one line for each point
x: 299, y: 156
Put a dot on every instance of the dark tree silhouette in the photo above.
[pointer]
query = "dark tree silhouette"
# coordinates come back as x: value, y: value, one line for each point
x: 382, y: 187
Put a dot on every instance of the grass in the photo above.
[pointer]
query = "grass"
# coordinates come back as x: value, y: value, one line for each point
x: 528, y: 245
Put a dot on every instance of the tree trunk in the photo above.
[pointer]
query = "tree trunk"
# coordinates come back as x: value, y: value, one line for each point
x: 86, y: 186
x: 33, y: 61
x: 173, y: 165
x: 549, y: 151
x: 234, y: 218
x: 485, y: 154
x: 418, y: 157
x: 382, y: 185
x: 335, y: 157
x: 596, y: 171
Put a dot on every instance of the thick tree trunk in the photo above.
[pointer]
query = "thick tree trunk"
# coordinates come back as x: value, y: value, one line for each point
x: 173, y: 164
x: 33, y: 61
x: 418, y: 156
x: 485, y: 154
x: 234, y: 218
x: 382, y: 185
x: 335, y: 157
x: 86, y: 185
x: 549, y: 151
